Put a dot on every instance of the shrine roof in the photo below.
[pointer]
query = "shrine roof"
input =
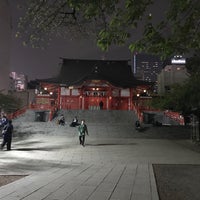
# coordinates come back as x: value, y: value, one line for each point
x: 75, y: 72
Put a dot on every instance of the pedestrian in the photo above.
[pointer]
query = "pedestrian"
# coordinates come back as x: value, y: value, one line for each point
x: 3, y: 121
x: 61, y: 120
x: 7, y: 135
x: 82, y: 130
x: 74, y: 122
x: 101, y: 105
x: 137, y: 125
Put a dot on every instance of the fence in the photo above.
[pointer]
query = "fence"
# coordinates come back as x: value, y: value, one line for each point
x: 17, y: 113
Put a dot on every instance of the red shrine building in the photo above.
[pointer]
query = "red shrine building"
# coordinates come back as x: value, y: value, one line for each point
x: 90, y: 85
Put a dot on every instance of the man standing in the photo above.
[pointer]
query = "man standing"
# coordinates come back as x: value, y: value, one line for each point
x: 7, y: 135
x: 82, y: 130
x: 101, y: 105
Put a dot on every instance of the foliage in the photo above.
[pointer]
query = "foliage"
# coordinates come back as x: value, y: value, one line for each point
x: 182, y: 97
x: 114, y: 22
x: 193, y: 65
x: 8, y: 103
x: 177, y: 34
x: 110, y: 21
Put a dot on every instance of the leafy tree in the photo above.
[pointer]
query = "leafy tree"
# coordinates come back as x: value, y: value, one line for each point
x: 114, y: 22
x: 178, y: 33
x: 109, y: 21
x: 9, y: 103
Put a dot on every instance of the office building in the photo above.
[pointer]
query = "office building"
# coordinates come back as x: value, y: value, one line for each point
x: 18, y: 82
x: 146, y: 67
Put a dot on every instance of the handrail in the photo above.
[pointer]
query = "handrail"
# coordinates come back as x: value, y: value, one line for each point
x: 17, y: 113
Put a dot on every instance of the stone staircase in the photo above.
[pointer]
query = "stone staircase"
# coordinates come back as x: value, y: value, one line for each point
x: 101, y: 123
x: 100, y: 116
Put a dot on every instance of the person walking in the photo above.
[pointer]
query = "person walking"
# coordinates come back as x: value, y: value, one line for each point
x: 7, y: 135
x: 82, y: 130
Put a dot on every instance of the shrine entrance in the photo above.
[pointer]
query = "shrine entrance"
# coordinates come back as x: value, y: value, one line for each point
x: 100, y: 95
x: 93, y: 103
x: 96, y: 98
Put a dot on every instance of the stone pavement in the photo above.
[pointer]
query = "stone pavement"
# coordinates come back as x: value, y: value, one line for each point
x: 59, y: 168
x: 115, y: 164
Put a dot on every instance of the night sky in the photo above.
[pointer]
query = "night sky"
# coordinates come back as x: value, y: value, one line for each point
x: 37, y: 63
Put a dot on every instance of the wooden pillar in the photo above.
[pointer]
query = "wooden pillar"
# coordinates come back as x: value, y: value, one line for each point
x: 59, y: 97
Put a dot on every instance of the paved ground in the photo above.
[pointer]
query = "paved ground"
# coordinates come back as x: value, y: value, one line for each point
x: 59, y: 168
x: 107, y: 168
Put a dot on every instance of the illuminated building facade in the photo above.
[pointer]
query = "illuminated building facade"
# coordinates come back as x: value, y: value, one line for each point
x: 18, y: 82
x: 146, y: 67
x: 83, y: 84
x: 175, y: 72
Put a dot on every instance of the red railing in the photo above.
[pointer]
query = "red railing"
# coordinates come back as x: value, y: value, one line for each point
x: 175, y: 116
x: 139, y: 112
x: 17, y: 113
x: 51, y: 109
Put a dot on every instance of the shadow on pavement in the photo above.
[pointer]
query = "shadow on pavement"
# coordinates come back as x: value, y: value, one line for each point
x: 49, y: 148
x: 111, y: 144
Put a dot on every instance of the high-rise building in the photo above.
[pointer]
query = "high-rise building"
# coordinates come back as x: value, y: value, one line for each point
x: 146, y: 67
x: 18, y: 82
x: 174, y: 72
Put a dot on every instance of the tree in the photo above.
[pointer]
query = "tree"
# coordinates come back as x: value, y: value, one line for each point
x: 113, y: 22
x: 110, y: 21
x: 9, y: 103
x: 177, y: 34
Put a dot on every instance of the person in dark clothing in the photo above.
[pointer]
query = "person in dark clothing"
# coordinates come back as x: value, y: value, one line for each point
x: 61, y: 120
x: 3, y: 121
x: 101, y: 105
x: 74, y: 122
x: 137, y: 125
x: 7, y: 135
x: 82, y: 130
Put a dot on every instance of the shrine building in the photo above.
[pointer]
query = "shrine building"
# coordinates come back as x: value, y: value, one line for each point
x: 91, y: 85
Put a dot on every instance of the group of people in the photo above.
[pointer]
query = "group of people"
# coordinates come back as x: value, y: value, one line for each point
x: 82, y: 127
x: 74, y: 123
x: 6, y: 130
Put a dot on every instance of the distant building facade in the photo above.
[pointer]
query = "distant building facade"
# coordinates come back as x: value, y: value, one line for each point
x: 146, y: 67
x: 18, y: 82
x: 171, y: 74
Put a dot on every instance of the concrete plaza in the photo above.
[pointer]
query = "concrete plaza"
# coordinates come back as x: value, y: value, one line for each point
x: 109, y: 167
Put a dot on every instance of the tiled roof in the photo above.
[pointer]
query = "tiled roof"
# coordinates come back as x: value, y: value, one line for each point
x: 117, y: 72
